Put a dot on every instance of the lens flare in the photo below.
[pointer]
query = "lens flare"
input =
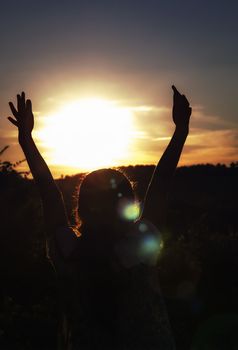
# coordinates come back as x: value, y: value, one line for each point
x: 131, y: 211
x: 150, y: 245
x: 143, y: 227
x: 113, y: 183
x: 142, y: 244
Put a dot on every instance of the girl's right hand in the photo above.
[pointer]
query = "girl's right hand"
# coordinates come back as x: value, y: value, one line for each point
x: 23, y: 114
x: 181, y: 110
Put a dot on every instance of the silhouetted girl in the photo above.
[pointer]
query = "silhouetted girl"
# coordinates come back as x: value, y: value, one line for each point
x: 107, y: 274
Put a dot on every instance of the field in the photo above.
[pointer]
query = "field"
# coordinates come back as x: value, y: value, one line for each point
x: 197, y: 267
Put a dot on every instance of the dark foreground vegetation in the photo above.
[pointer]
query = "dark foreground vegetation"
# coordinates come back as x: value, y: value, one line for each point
x: 197, y: 266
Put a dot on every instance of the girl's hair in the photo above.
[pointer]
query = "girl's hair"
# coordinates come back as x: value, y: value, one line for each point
x: 100, y: 195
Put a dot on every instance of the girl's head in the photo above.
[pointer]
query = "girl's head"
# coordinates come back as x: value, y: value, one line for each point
x: 102, y: 195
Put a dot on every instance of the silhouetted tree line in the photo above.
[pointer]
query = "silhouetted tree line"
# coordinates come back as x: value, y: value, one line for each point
x: 197, y: 266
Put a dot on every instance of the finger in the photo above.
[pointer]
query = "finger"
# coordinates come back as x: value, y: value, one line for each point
x: 21, y: 102
x: 29, y: 106
x: 185, y: 100
x: 23, y: 99
x: 13, y: 109
x: 13, y: 121
x: 174, y: 88
x: 176, y: 92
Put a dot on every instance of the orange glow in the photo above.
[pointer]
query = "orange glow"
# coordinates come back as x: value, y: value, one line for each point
x: 87, y: 134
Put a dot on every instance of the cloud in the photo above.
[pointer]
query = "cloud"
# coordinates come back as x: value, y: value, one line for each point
x: 212, y: 139
x: 218, y: 146
x: 152, y: 121
x: 200, y: 120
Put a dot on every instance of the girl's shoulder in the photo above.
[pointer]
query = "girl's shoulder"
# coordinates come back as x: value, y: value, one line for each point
x: 62, y: 243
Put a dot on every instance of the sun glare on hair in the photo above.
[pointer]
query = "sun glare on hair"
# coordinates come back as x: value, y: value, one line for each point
x: 87, y: 134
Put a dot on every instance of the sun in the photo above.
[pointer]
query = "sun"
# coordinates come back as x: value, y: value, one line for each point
x: 87, y: 134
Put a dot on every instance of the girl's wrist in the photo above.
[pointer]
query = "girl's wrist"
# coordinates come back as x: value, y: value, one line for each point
x: 183, y: 130
x: 24, y: 136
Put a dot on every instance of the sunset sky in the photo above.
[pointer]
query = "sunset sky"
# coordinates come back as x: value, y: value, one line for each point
x: 119, y: 59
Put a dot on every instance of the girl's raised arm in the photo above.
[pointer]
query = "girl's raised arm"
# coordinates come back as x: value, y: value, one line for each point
x: 53, y: 205
x: 155, y: 203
